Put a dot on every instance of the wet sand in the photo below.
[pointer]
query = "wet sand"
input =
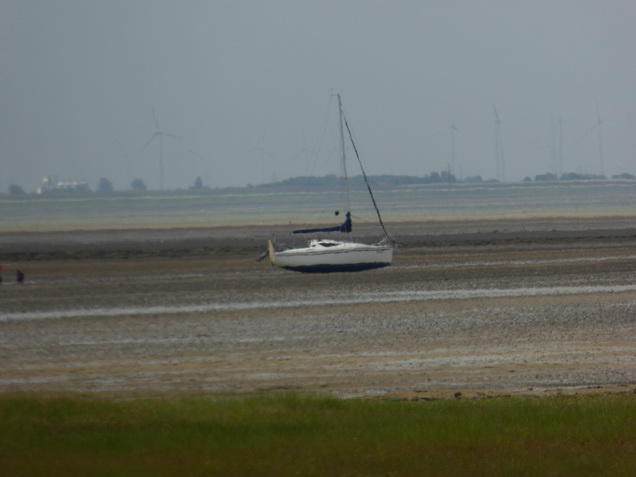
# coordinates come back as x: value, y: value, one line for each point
x: 482, y: 308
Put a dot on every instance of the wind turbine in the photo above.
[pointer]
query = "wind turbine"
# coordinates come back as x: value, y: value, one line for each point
x: 553, y: 148
x: 556, y: 147
x: 560, y: 151
x: 262, y: 155
x: 599, y: 127
x: 159, y: 134
x: 499, y: 156
x: 453, y: 129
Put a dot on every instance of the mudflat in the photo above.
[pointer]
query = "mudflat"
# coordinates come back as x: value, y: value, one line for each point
x: 477, y: 307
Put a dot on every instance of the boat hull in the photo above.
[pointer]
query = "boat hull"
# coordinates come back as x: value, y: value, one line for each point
x: 337, y: 257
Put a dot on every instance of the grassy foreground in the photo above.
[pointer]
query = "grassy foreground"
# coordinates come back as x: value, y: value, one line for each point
x: 313, y: 436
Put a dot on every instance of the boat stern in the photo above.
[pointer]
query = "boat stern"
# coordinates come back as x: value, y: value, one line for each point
x: 271, y: 248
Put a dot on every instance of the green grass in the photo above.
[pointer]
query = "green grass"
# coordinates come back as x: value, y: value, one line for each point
x: 314, y: 436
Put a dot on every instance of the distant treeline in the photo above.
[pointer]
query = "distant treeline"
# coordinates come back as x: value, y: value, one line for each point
x: 332, y: 181
x: 574, y: 176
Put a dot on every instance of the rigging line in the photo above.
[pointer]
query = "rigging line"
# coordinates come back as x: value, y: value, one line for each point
x: 366, y: 221
x: 364, y: 174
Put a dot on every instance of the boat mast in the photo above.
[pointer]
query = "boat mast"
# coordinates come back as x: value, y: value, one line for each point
x: 342, y: 153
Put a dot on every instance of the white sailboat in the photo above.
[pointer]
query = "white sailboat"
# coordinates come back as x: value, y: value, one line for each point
x: 320, y: 255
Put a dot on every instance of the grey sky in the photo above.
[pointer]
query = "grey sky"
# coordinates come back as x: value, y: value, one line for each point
x: 247, y: 85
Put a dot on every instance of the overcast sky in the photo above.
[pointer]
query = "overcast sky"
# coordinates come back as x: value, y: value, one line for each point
x: 246, y: 85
